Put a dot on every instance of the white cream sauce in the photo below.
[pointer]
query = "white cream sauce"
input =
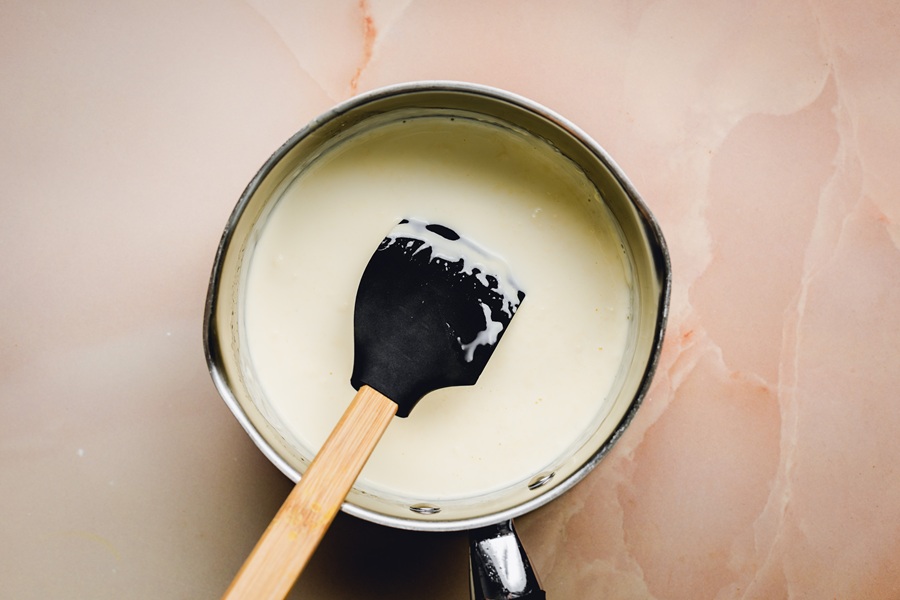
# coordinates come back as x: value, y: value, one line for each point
x: 547, y: 384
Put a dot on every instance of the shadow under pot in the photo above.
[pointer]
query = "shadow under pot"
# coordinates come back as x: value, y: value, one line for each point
x: 574, y: 364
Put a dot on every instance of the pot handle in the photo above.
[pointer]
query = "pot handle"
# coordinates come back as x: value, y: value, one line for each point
x: 499, y: 567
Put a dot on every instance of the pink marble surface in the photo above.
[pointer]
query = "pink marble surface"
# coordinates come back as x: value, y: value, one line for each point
x: 764, y: 136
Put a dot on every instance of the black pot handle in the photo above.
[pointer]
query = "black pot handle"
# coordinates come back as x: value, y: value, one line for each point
x: 499, y: 567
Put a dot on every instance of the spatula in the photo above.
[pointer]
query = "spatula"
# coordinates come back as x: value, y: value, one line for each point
x: 430, y: 309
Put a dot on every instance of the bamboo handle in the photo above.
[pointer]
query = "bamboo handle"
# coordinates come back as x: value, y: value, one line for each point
x: 296, y: 530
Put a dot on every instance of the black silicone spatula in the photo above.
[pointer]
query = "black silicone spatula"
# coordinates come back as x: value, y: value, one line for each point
x: 430, y: 310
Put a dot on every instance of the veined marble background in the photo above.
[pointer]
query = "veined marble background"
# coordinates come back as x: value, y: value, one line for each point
x: 764, y: 136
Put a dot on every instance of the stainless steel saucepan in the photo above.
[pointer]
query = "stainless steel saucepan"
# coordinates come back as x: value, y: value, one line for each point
x: 500, y: 568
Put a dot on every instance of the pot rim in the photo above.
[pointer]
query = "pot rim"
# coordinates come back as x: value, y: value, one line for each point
x: 657, y: 247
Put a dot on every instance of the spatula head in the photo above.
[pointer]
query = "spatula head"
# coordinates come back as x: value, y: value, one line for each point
x: 430, y: 310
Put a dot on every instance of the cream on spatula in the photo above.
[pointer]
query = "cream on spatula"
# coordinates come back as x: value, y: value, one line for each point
x: 430, y: 309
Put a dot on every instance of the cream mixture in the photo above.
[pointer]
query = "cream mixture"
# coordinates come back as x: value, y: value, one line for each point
x: 548, y: 383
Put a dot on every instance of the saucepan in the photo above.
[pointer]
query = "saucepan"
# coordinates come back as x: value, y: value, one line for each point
x: 499, y: 566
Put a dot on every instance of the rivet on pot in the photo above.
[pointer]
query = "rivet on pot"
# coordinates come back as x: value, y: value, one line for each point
x: 425, y: 509
x: 540, y: 480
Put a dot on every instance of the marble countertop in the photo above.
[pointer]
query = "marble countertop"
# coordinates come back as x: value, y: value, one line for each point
x: 764, y: 137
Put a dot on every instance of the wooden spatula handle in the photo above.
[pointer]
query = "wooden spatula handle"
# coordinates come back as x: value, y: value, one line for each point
x: 295, y: 531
